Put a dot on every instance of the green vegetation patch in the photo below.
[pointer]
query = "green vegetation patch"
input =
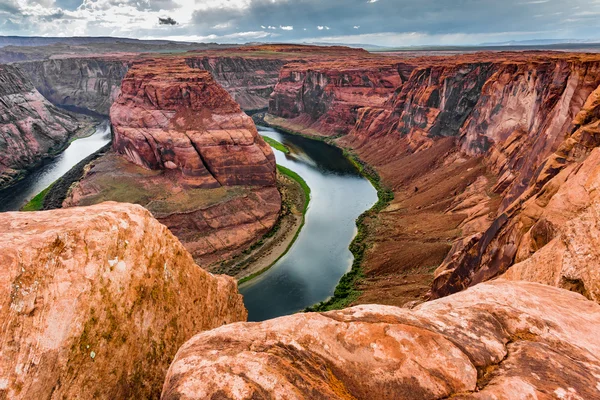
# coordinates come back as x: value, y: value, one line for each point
x: 276, y: 145
x: 291, y: 174
x: 37, y: 203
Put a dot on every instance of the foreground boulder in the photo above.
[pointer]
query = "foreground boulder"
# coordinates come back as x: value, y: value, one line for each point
x: 499, y: 340
x: 95, y: 301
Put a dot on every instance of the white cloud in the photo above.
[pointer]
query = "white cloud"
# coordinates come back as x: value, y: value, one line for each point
x: 286, y: 28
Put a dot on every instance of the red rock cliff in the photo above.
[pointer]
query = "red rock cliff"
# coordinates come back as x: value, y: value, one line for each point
x: 95, y: 301
x: 170, y: 116
x: 498, y: 340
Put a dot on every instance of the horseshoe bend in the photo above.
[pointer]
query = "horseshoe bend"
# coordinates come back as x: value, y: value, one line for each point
x: 396, y: 224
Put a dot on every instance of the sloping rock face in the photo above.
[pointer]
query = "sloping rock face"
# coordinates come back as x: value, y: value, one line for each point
x: 529, y: 170
x: 250, y: 81
x: 30, y: 127
x: 97, y: 300
x: 84, y: 84
x: 497, y: 340
x: 213, y: 224
x: 170, y: 116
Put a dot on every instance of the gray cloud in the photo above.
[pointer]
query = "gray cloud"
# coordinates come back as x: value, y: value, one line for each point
x: 166, y: 21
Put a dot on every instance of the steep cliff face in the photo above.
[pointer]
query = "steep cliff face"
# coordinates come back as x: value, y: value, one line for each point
x: 97, y: 300
x: 81, y: 83
x: 325, y: 97
x: 250, y: 81
x: 498, y: 340
x: 30, y: 127
x: 459, y: 140
x: 189, y: 154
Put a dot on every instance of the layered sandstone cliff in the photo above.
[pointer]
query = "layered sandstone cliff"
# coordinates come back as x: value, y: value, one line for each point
x: 324, y: 97
x: 84, y: 84
x: 250, y: 81
x: 97, y: 300
x: 30, y: 127
x: 188, y: 153
x: 497, y: 340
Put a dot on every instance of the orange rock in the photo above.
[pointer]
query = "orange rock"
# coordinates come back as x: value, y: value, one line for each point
x: 497, y: 340
x: 95, y: 301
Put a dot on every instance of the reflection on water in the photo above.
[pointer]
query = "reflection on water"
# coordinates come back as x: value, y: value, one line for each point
x: 15, y: 197
x: 309, y: 272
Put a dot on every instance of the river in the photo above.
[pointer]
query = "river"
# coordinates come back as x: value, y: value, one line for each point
x: 310, y: 271
x: 16, y: 196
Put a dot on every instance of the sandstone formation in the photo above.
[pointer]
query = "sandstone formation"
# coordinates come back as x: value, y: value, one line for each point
x: 462, y: 141
x: 190, y: 156
x: 97, y: 300
x: 170, y: 116
x: 84, y: 84
x: 30, y: 127
x: 499, y: 340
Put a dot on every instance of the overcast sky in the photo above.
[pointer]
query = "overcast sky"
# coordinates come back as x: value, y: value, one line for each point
x: 380, y: 22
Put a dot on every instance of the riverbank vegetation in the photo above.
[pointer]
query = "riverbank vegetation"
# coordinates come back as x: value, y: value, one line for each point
x: 346, y: 291
x: 37, y: 203
x: 276, y: 145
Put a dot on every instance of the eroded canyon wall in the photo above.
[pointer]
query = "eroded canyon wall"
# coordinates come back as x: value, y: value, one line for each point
x: 250, y: 81
x: 31, y: 128
x: 95, y: 301
x: 82, y: 84
x: 497, y: 340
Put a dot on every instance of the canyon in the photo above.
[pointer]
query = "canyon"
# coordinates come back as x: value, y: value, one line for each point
x: 462, y: 142
x: 475, y: 275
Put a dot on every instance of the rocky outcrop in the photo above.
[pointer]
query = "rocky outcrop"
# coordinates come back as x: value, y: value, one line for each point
x: 30, y: 127
x: 97, y: 300
x: 497, y: 340
x: 170, y: 116
x: 529, y: 168
x: 190, y: 156
x: 82, y: 84
x: 250, y: 81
